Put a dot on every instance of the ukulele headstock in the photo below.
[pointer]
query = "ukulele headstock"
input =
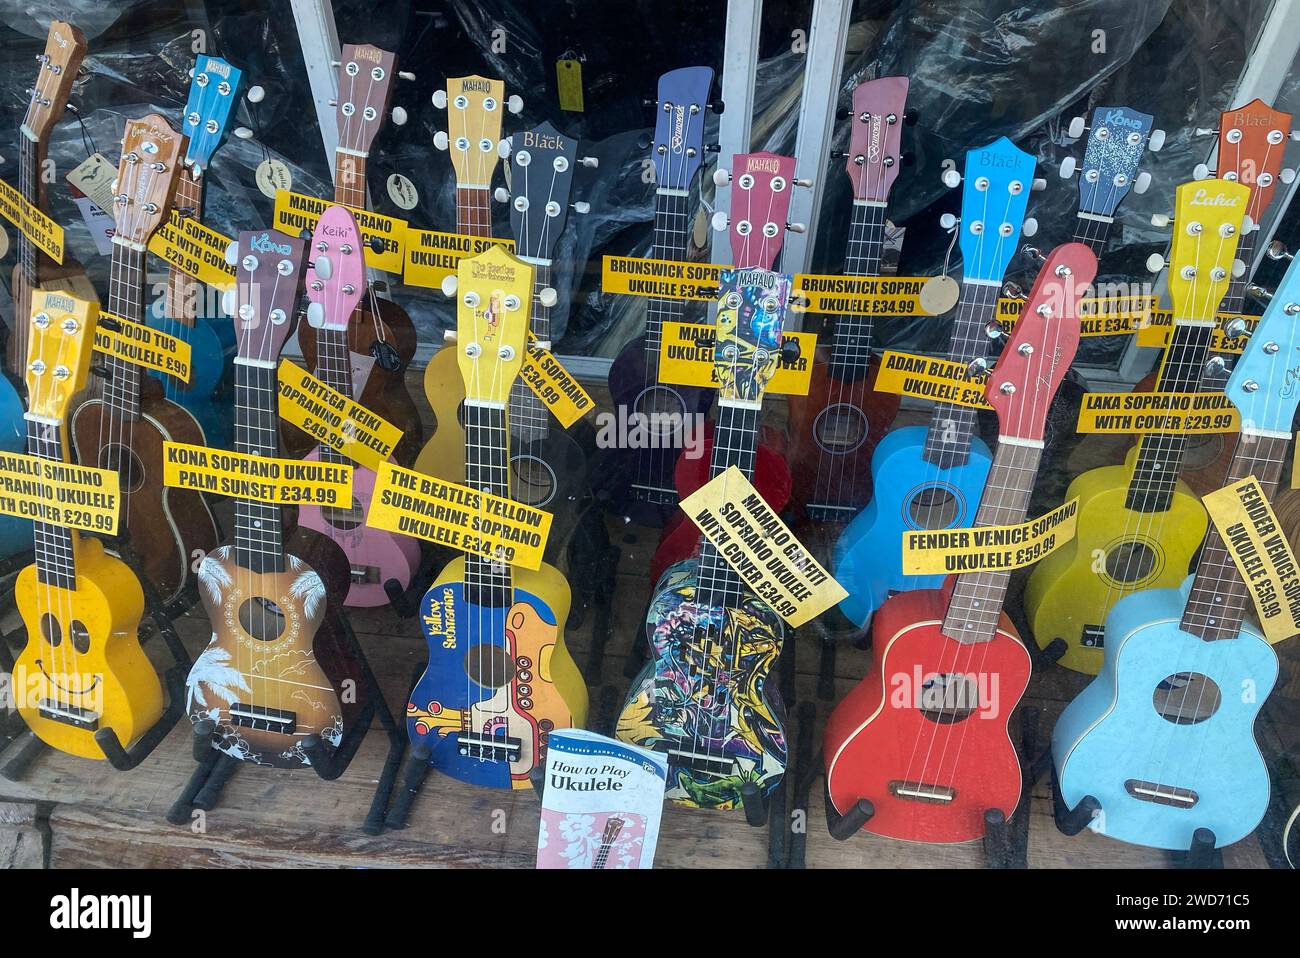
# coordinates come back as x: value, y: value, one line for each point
x: 65, y: 47
x: 760, y: 207
x: 996, y: 185
x: 214, y: 93
x: 1252, y: 142
x: 336, y: 275
x: 146, y: 175
x: 60, y: 342
x: 474, y: 115
x: 1265, y: 382
x: 1207, y: 224
x: 1042, y: 343
x: 493, y: 293
x: 541, y: 175
x: 365, y: 80
x: 678, y: 147
x: 875, y: 137
x: 748, y: 332
x: 613, y: 826
x: 1117, y: 139
x: 268, y: 275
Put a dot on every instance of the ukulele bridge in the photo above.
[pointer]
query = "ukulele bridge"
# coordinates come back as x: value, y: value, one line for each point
x: 1161, y: 794
x: 263, y: 718
x: 925, y: 792
x: 701, y: 762
x: 365, y: 574
x: 488, y: 748
x: 68, y: 715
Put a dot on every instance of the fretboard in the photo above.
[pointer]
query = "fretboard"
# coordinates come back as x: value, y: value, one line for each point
x: 259, y: 526
x: 735, y: 441
x: 851, y: 345
x: 473, y: 211
x: 977, y: 597
x: 1160, y: 454
x: 1219, y: 598
x: 350, y: 179
x: 334, y: 369
x: 183, y: 290
x: 1092, y: 229
x: 54, y: 545
x: 529, y: 418
x: 487, y: 469
x: 120, y: 389
x: 672, y: 227
x: 30, y: 155
x: 947, y: 443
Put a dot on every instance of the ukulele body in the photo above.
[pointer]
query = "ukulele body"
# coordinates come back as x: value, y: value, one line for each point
x: 212, y: 345
x: 1111, y: 743
x: 500, y: 674
x: 444, y: 454
x: 102, y: 670
x: 166, y: 526
x: 374, y: 555
x: 258, y: 679
x: 887, y: 736
x: 867, y: 559
x: 668, y: 706
x: 1067, y: 598
x: 835, y: 429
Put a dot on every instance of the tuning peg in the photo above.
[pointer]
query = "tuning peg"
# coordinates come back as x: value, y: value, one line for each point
x: 796, y: 227
x: 228, y: 302
x: 547, y: 296
x: 1236, y: 328
x: 1030, y: 227
x: 590, y: 162
x: 977, y: 366
x: 503, y: 149
x: 1160, y: 220
x: 1156, y: 142
x: 399, y: 116
x: 112, y: 325
x: 1142, y: 182
x: 232, y: 254
x: 255, y: 94
x: 323, y: 267
x: 1155, y: 263
x: 1286, y: 175
x: 1014, y: 290
x: 501, y: 194
x: 719, y: 221
x: 315, y: 315
x: 649, y: 103
x: 993, y: 329
x: 949, y: 221
x: 243, y: 133
x: 100, y: 370
x: 951, y: 179
x: 806, y: 183
x: 1214, y: 367
x: 1206, y: 131
x: 335, y: 64
x: 440, y: 99
x: 911, y: 116
x: 721, y: 177
x: 717, y: 106
x: 790, y: 350
x: 440, y: 140
x: 1259, y: 293
x: 581, y: 207
x: 1038, y: 185
x: 448, y: 285
x: 1076, y: 128
x: 1201, y: 171
x: 515, y: 104
x: 1068, y: 167
x: 712, y: 147
x: 1277, y: 250
x: 1034, y: 253
x: 406, y: 75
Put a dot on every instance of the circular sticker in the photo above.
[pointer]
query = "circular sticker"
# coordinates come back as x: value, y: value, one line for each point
x: 273, y: 175
x: 4, y: 242
x: 385, y: 356
x: 939, y: 294
x: 403, y: 192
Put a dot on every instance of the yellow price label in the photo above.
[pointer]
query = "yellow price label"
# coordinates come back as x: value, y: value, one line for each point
x: 142, y: 345
x: 194, y: 249
x: 432, y: 256
x: 295, y: 212
x: 1156, y: 332
x: 989, y: 548
x: 78, y: 497
x: 921, y: 377
x: 686, y: 359
x: 1143, y: 412
x: 291, y: 482
x: 31, y: 222
x: 661, y: 278
x: 332, y: 418
x: 554, y: 385
x: 859, y: 295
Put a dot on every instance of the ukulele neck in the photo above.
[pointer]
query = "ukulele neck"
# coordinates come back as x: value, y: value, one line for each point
x: 672, y: 227
x: 121, y: 385
x: 947, y: 442
x: 55, y: 546
x: 530, y: 420
x: 182, y: 303
x: 735, y: 442
x: 851, y: 343
x: 259, y: 526
x: 487, y: 582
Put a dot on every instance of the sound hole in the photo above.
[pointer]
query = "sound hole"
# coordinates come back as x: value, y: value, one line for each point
x: 1202, y: 451
x: 122, y: 460
x: 948, y: 697
x: 1130, y: 562
x: 840, y: 428
x: 51, y: 631
x: 345, y: 520
x: 661, y: 410
x: 490, y: 666
x: 262, y: 619
x: 534, y: 483
x: 80, y: 636
x: 933, y: 508
x: 1186, y: 698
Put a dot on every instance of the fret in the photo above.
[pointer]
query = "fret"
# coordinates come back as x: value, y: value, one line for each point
x: 1092, y: 231
x: 947, y: 442
x: 120, y: 388
x: 473, y: 211
x: 529, y: 418
x: 671, y: 228
x: 851, y: 340
x: 334, y: 369
x: 259, y: 526
x: 182, y: 303
x: 487, y: 469
x: 735, y: 441
x: 1219, y: 600
x: 350, y: 179
x: 55, y: 546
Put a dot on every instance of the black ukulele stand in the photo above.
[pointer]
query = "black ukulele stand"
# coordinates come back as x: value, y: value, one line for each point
x: 214, y: 768
x: 405, y: 603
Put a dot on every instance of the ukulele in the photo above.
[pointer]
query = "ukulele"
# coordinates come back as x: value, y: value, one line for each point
x: 761, y: 187
x: 474, y: 106
x: 124, y: 424
x: 1163, y: 737
x: 705, y: 697
x: 837, y: 425
x: 1252, y: 141
x: 613, y: 827
x: 381, y: 336
x: 499, y: 677
x: 924, y: 737
x: 214, y: 92
x: 262, y: 678
x: 82, y: 668
x: 645, y: 492
x: 932, y: 477
x: 1139, y: 525
x: 336, y: 282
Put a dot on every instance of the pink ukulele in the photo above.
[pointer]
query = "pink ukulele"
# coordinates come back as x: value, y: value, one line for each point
x: 336, y: 281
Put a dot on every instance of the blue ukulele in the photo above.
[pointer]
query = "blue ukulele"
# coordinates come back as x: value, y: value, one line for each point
x: 1162, y: 739
x: 214, y: 92
x: 932, y: 477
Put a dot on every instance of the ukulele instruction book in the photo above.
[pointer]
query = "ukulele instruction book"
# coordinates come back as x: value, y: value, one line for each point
x: 601, y: 804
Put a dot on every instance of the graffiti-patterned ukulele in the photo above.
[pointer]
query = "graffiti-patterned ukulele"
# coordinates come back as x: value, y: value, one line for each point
x: 704, y: 697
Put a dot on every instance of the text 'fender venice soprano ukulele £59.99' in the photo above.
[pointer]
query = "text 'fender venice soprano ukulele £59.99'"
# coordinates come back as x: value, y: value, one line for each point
x: 923, y: 738
x: 499, y: 677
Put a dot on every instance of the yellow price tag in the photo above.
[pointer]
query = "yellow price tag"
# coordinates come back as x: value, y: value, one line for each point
x: 31, y: 222
x: 989, y: 548
x: 262, y: 478
x: 686, y: 359
x: 1142, y: 412
x: 432, y: 256
x: 194, y: 249
x: 295, y: 212
x: 332, y: 418
x: 142, y: 345
x: 554, y: 385
x: 921, y: 377
x: 79, y: 497
x: 662, y: 278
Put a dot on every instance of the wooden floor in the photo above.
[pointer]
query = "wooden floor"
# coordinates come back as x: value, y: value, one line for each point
x: 68, y: 811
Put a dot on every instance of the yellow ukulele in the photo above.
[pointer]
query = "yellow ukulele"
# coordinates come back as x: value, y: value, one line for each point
x: 82, y: 669
x: 1139, y: 524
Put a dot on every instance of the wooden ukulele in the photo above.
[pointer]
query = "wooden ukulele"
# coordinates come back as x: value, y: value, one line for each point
x: 82, y: 668
x: 924, y: 736
x: 761, y: 187
x: 381, y: 336
x: 644, y: 490
x: 836, y: 427
x: 262, y: 678
x: 499, y: 677
x: 706, y: 697
x: 1252, y: 142
x: 1163, y: 738
x: 124, y: 424
x: 1139, y: 519
x: 474, y: 107
x: 613, y: 828
x: 336, y: 282
x: 214, y: 93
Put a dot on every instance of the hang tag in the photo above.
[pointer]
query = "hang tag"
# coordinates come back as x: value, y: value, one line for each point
x: 272, y: 175
x: 700, y: 229
x: 361, y: 363
x: 99, y: 223
x: 892, y: 248
x: 568, y: 79
x: 403, y: 192
x: 94, y: 177
x: 939, y: 294
x: 4, y: 242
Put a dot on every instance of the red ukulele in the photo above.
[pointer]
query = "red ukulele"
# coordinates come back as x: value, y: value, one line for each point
x: 760, y: 201
x: 836, y: 426
x: 923, y: 738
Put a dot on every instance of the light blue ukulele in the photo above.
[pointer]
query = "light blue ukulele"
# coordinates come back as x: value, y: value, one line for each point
x: 214, y: 92
x: 1162, y: 739
x: 932, y: 477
